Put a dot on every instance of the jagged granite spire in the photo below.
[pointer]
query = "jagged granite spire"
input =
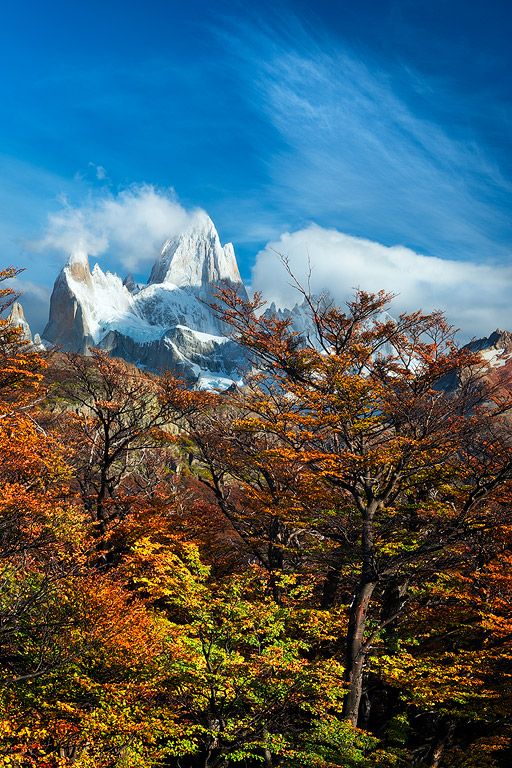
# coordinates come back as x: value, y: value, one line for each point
x: 167, y: 324
x: 18, y: 319
x: 81, y: 301
x: 196, y: 259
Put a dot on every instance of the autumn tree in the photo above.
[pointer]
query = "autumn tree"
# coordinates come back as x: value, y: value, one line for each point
x: 241, y: 675
x: 113, y: 420
x: 32, y: 473
x: 308, y: 571
x: 408, y: 468
x: 36, y: 521
x: 77, y: 651
x: 257, y: 489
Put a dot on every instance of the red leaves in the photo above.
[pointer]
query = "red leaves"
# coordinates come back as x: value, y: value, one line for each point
x: 188, y: 576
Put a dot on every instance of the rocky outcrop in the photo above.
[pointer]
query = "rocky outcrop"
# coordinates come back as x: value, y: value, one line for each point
x: 189, y: 354
x: 67, y: 325
x: 495, y: 352
x: 196, y: 259
x: 498, y: 344
x: 18, y: 319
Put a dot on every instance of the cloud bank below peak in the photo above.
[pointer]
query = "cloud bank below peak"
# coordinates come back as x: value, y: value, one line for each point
x: 475, y: 297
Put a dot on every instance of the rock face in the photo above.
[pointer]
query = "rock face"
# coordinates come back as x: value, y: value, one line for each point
x: 195, y: 259
x: 164, y: 325
x: 496, y: 351
x: 298, y: 316
x: 496, y: 348
x: 18, y: 319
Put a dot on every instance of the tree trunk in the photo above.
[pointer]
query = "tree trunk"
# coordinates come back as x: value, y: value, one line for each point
x: 441, y: 743
x: 267, y: 754
x: 356, y: 653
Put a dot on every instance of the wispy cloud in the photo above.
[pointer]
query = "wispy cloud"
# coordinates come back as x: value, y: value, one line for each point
x: 357, y: 155
x: 475, y: 297
x: 129, y: 226
x: 27, y: 194
x: 101, y: 173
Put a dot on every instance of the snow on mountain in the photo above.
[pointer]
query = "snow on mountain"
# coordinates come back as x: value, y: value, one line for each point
x: 299, y: 317
x: 167, y: 324
x: 496, y: 352
x: 498, y: 344
x: 196, y: 258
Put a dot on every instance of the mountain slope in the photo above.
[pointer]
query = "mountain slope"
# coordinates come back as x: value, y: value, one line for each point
x: 165, y: 325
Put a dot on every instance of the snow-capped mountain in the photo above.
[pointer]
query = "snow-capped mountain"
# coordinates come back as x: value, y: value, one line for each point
x: 196, y: 259
x: 168, y: 324
x: 299, y: 317
x: 164, y: 325
x: 496, y: 349
x: 496, y: 352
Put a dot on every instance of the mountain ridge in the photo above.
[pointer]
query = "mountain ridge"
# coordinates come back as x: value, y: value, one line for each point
x: 168, y: 323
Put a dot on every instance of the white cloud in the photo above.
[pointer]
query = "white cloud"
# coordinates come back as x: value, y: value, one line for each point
x: 130, y: 226
x: 475, y: 297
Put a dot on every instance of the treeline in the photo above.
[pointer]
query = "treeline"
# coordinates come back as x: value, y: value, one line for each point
x: 313, y: 570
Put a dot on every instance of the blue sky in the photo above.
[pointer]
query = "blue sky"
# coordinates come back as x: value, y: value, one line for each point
x: 386, y: 120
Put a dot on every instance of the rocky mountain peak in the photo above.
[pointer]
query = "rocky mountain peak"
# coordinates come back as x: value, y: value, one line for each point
x: 78, y: 265
x: 166, y: 324
x: 18, y: 319
x: 17, y: 314
x: 130, y: 284
x: 498, y: 343
x: 501, y: 340
x: 196, y: 259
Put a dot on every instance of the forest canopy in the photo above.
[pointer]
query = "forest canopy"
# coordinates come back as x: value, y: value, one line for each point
x: 312, y: 569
